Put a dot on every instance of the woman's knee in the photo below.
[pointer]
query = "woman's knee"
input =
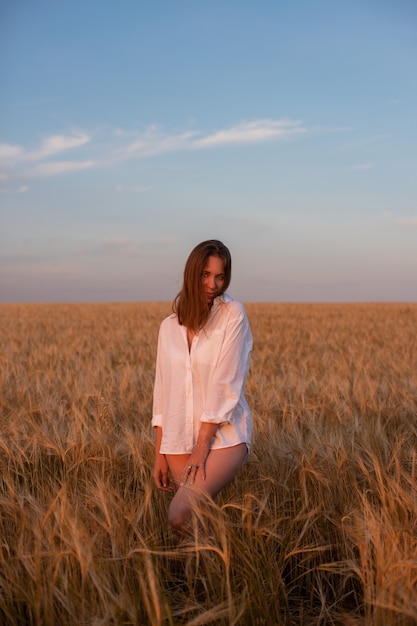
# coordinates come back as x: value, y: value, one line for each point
x: 178, y: 516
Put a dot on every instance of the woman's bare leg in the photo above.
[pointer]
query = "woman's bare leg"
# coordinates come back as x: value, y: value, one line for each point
x: 221, y: 468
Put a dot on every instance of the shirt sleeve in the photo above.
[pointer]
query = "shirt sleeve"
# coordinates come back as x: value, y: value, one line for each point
x: 157, y: 390
x: 227, y: 383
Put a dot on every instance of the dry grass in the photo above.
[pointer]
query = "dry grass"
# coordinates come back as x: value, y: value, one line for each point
x: 319, y: 528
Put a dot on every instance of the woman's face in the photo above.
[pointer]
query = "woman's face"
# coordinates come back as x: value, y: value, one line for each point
x: 212, y: 279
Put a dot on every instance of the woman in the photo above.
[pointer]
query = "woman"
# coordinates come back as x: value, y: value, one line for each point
x: 202, y: 420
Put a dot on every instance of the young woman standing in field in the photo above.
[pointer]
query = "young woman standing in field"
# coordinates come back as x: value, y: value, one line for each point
x: 202, y: 420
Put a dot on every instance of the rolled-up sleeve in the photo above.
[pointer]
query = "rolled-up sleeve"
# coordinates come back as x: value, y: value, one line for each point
x: 225, y: 391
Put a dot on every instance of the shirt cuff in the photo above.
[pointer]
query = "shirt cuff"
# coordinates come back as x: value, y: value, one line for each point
x: 156, y: 420
x: 213, y: 419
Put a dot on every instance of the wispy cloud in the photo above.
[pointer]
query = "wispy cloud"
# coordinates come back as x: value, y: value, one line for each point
x: 15, y: 159
x: 407, y: 221
x: 361, y: 166
x: 257, y: 131
x: 19, y: 163
x: 154, y: 141
x: 53, y: 168
x: 12, y: 155
x: 59, y: 143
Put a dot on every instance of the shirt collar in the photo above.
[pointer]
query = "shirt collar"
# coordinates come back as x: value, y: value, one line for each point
x: 219, y: 301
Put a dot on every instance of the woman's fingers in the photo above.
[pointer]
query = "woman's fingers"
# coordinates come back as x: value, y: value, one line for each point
x: 164, y: 479
x: 185, y: 475
x: 161, y: 473
x: 190, y: 473
x: 203, y: 471
x: 163, y: 482
x: 193, y: 473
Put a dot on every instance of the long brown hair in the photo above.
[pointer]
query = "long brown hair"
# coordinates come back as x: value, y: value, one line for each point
x: 188, y: 305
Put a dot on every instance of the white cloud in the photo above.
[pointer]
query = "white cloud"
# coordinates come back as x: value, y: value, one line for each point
x: 362, y: 166
x: 153, y: 141
x: 45, y: 170
x: 251, y: 132
x: 59, y: 143
x: 12, y: 155
x: 407, y: 221
x: 23, y: 189
x: 9, y: 152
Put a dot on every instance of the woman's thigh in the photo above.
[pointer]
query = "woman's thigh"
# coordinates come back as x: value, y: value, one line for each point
x: 222, y: 465
x: 177, y: 464
x: 221, y: 468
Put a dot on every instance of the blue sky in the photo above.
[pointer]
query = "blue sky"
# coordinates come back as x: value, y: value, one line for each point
x: 130, y: 131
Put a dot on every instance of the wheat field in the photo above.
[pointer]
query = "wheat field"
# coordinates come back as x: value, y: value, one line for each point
x: 320, y: 527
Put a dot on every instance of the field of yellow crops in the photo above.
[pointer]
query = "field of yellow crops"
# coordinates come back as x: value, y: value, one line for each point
x: 320, y: 527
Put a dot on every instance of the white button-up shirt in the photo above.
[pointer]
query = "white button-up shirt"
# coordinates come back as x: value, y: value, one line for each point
x: 206, y: 382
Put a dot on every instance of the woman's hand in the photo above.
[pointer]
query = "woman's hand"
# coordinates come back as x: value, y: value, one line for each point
x: 161, y: 473
x: 196, y: 464
x: 197, y: 460
x: 161, y: 469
